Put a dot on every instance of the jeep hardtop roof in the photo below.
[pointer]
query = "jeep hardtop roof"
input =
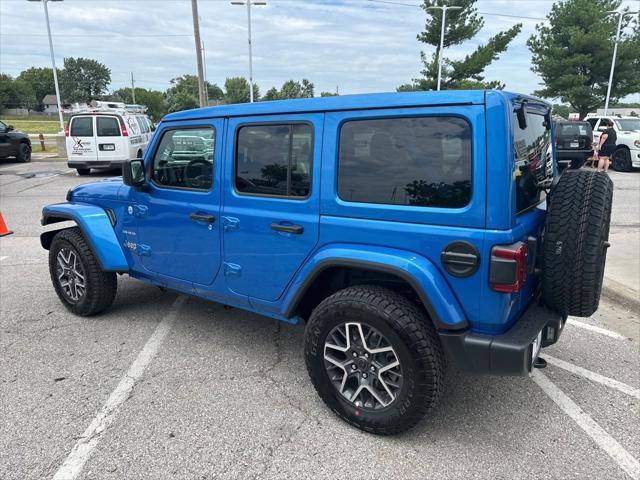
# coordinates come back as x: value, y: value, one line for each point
x: 348, y: 102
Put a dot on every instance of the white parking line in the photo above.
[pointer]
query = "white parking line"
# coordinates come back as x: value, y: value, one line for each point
x: 75, y: 461
x: 2, y: 258
x: 605, y: 441
x: 596, y: 377
x: 593, y: 328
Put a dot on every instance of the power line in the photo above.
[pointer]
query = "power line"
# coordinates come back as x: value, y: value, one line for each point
x: 97, y: 35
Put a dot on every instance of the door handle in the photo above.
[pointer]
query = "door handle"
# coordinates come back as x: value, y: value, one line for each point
x: 202, y: 217
x: 295, y: 229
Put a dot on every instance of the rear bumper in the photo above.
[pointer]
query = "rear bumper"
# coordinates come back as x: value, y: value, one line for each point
x: 566, y: 156
x: 95, y: 164
x: 509, y: 353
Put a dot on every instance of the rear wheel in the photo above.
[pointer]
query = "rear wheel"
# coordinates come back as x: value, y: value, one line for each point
x: 83, y: 171
x: 576, y: 241
x: 24, y: 153
x: 374, y: 359
x: 82, y: 286
x: 621, y: 159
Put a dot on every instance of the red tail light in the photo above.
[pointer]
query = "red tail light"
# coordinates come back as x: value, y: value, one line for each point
x: 66, y: 130
x: 509, y: 263
x: 123, y: 129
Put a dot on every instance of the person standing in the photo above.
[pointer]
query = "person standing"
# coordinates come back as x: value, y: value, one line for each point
x: 607, y: 145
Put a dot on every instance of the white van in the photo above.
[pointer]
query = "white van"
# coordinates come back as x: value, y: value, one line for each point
x: 627, y: 153
x: 106, y: 138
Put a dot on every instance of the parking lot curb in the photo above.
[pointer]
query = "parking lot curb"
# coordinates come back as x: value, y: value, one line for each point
x: 47, y: 158
x: 619, y: 293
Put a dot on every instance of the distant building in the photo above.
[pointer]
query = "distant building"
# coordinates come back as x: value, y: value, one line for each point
x: 51, y: 104
x: 623, y: 112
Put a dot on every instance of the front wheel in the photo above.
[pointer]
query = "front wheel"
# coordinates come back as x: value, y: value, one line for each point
x: 82, y: 286
x: 622, y: 160
x: 374, y: 358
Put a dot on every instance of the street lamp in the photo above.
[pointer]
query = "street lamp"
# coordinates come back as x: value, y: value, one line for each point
x: 249, y: 3
x: 621, y: 15
x: 444, y: 9
x: 53, y: 60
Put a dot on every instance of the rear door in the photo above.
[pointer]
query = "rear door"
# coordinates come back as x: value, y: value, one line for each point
x: 573, y: 136
x: 271, y: 201
x: 81, y: 144
x: 110, y: 142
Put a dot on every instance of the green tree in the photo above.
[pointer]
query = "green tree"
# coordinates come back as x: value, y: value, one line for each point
x: 562, y: 110
x: 15, y: 93
x: 572, y: 54
x: 460, y: 25
x: 152, y: 99
x: 237, y: 90
x: 83, y: 79
x: 291, y: 89
x: 41, y: 81
x: 328, y: 94
x: 183, y: 93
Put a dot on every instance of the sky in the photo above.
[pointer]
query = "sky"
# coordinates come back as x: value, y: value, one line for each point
x: 355, y: 46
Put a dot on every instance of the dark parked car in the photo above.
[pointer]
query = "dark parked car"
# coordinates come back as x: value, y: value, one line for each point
x: 14, y: 144
x: 574, y: 143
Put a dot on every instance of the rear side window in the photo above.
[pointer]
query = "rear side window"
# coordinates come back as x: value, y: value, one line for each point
x: 532, y: 147
x: 184, y: 159
x: 108, y: 127
x: 81, y: 127
x: 574, y: 129
x: 422, y: 161
x: 274, y: 159
x: 144, y: 128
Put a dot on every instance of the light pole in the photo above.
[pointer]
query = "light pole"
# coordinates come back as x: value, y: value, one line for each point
x: 444, y: 9
x: 249, y: 3
x: 621, y: 15
x: 196, y: 34
x: 53, y: 60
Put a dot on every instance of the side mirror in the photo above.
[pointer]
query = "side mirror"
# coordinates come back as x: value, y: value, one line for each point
x: 521, y: 113
x: 133, y: 173
x: 10, y: 128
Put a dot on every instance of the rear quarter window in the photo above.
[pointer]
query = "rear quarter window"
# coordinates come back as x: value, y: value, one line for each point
x: 414, y: 161
x: 81, y: 127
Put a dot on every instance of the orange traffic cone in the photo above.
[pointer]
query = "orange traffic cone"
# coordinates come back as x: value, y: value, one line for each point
x: 3, y: 227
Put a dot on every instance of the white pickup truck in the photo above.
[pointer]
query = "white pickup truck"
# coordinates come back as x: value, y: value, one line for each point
x: 627, y: 153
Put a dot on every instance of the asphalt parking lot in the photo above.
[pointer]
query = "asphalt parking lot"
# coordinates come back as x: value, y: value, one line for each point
x: 165, y: 386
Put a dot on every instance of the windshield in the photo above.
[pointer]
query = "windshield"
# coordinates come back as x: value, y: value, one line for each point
x: 627, y: 124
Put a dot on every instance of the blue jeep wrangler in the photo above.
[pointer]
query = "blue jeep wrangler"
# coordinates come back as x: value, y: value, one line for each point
x: 402, y: 229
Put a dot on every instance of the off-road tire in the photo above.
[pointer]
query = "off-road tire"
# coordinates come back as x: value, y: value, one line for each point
x: 411, y: 334
x: 101, y: 286
x: 576, y: 241
x: 83, y: 171
x: 24, y: 153
x: 621, y: 160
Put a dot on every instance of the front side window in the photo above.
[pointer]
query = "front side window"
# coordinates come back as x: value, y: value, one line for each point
x: 184, y: 159
x: 81, y: 127
x: 274, y: 159
x: 421, y: 161
x: 532, y: 148
x: 628, y: 124
x: 108, y: 127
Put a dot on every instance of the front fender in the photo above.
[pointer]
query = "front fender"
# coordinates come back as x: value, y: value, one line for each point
x: 435, y: 293
x: 96, y: 227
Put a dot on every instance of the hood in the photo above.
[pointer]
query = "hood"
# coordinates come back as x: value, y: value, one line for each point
x: 107, y: 189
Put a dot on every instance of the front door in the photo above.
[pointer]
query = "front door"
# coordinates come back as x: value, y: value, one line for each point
x: 179, y: 215
x: 271, y: 201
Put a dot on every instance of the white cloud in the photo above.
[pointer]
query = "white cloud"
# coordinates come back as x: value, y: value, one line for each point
x: 360, y: 46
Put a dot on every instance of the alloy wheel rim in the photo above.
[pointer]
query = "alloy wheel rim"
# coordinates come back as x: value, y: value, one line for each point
x: 71, y: 275
x: 362, y: 365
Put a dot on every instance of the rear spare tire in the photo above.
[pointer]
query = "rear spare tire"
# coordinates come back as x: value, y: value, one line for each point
x: 576, y: 241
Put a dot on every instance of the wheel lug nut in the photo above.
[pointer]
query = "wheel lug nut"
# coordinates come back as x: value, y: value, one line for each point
x: 364, y: 375
x: 353, y: 367
x: 355, y: 354
x: 366, y: 355
x: 373, y: 369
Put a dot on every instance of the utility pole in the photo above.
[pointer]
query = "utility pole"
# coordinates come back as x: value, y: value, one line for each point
x: 133, y: 89
x: 621, y: 15
x: 196, y: 34
x: 206, y: 88
x: 444, y: 9
x: 248, y: 3
x: 53, y: 61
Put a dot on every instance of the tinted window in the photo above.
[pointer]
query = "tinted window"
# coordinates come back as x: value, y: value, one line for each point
x: 532, y: 151
x: 81, y: 127
x: 144, y: 128
x: 406, y: 161
x: 592, y: 121
x: 108, y: 127
x: 274, y: 159
x: 184, y: 159
x: 574, y: 129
